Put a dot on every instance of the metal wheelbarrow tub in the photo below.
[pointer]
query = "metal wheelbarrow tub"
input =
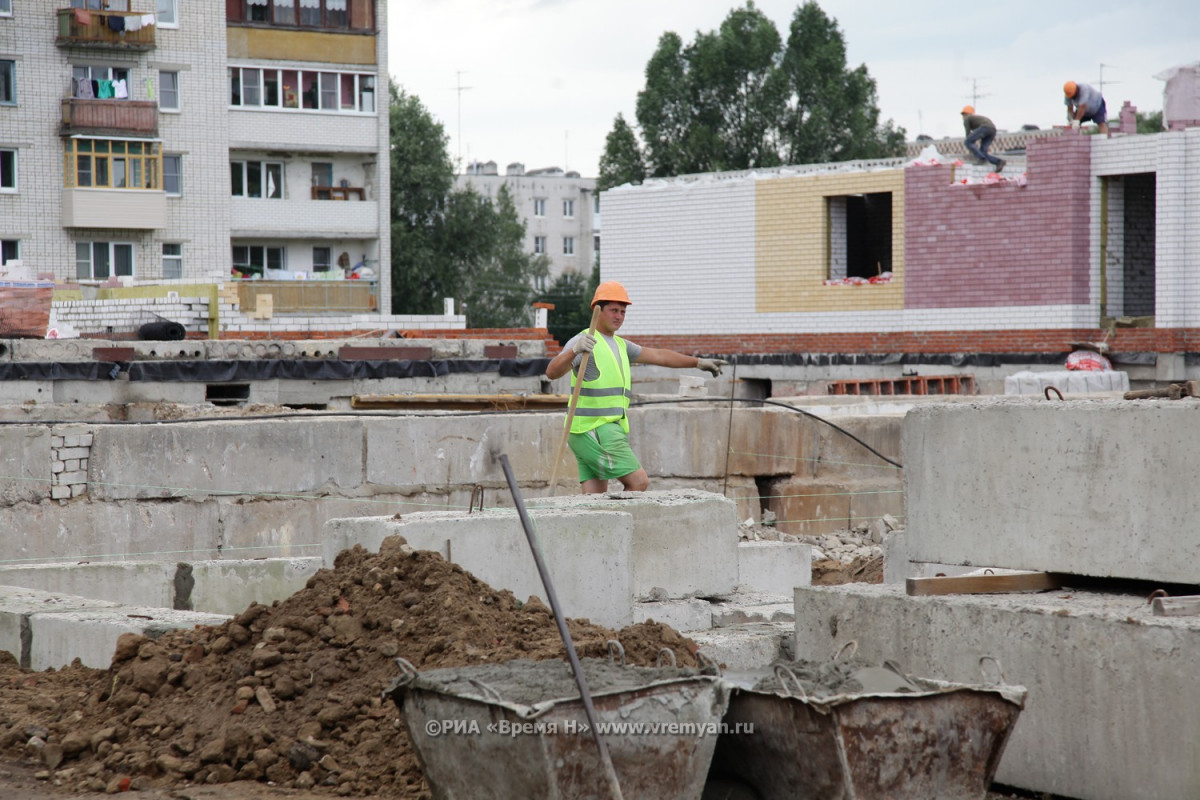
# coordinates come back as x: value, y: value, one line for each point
x: 519, y: 730
x: 932, y: 741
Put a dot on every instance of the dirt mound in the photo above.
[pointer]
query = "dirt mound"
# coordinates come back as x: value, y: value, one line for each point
x: 289, y: 693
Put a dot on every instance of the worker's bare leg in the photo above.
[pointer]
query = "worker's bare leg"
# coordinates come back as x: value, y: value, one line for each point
x: 635, y: 481
x: 1103, y: 128
x: 594, y: 486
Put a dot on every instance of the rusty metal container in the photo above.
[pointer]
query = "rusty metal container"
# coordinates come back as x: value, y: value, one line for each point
x: 517, y: 729
x: 922, y: 739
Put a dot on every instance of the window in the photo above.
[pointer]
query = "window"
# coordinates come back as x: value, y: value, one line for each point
x: 173, y: 175
x: 347, y: 92
x: 172, y: 264
x: 366, y: 94
x: 596, y: 203
x: 5, y: 8
x: 254, y: 259
x: 10, y: 250
x: 115, y: 164
x: 322, y: 173
x: 101, y: 5
x: 8, y: 82
x: 285, y: 12
x: 539, y: 206
x: 8, y: 170
x: 569, y: 209
x: 860, y: 235
x: 168, y: 14
x: 168, y: 91
x: 568, y: 245
x: 596, y: 244
x: 355, y: 14
x: 321, y: 259
x: 102, y: 260
x: 256, y: 179
x: 539, y: 245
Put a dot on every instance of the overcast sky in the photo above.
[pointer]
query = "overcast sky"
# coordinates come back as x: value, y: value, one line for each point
x: 543, y: 79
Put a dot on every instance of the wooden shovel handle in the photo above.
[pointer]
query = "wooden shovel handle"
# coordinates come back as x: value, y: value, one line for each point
x: 562, y: 443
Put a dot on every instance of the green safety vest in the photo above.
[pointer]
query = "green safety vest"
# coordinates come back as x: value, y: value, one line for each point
x: 606, y: 398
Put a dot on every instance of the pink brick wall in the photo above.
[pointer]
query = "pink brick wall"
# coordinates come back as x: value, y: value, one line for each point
x: 1001, y: 245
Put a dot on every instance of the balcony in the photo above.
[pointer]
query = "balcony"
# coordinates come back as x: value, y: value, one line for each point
x: 110, y: 117
x: 132, y: 209
x: 311, y: 297
x: 338, y: 192
x: 79, y: 28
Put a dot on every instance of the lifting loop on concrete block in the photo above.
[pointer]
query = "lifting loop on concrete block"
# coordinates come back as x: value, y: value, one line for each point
x: 785, y: 675
x: 487, y: 691
x: 615, y: 648
x: 665, y: 654
x: 999, y: 679
x: 408, y: 673
x: 1050, y: 389
x: 851, y: 646
x: 708, y: 664
x: 1157, y: 593
x: 476, y: 491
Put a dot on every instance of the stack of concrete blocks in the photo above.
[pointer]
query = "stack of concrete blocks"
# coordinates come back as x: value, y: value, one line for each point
x: 1088, y: 488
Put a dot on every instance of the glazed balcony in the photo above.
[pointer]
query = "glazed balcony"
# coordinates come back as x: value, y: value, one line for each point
x: 95, y: 29
x: 109, y: 117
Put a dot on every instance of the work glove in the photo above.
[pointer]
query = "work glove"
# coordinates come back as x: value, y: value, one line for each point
x: 712, y: 365
x: 1075, y: 124
x: 586, y: 344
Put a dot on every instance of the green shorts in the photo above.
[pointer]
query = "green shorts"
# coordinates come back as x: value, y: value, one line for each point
x: 603, y: 453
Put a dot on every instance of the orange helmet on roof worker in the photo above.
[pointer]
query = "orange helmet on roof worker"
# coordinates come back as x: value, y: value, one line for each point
x: 1069, y: 88
x: 968, y: 109
x: 610, y: 291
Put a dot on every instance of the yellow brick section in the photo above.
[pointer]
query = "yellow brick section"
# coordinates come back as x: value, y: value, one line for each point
x: 285, y: 45
x: 792, y: 244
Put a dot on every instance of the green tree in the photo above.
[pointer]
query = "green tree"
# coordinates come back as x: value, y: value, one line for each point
x: 570, y: 293
x: 1150, y: 122
x: 832, y: 112
x: 664, y: 109
x: 422, y: 176
x: 622, y: 161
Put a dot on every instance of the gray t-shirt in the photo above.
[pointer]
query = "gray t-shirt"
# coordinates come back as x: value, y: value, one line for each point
x: 1086, y: 95
x: 593, y: 372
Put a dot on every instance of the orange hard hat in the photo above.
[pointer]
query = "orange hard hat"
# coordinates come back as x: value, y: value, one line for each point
x: 1069, y: 88
x: 968, y: 109
x: 610, y: 291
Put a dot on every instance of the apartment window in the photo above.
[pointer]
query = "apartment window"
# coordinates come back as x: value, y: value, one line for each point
x: 860, y: 235
x: 10, y: 250
x: 595, y: 244
x: 168, y: 14
x: 539, y: 206
x: 8, y: 82
x: 321, y: 259
x: 172, y: 260
x: 539, y: 245
x: 8, y: 170
x: 168, y: 91
x: 366, y: 93
x: 253, y: 259
x: 356, y: 14
x: 102, y: 260
x: 101, y: 5
x: 569, y: 209
x: 173, y: 175
x: 568, y: 245
x: 284, y: 12
x: 347, y: 92
x: 112, y: 164
x: 596, y: 203
x: 5, y: 8
x: 262, y: 179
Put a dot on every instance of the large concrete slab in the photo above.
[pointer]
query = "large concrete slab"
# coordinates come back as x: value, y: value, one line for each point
x: 684, y: 541
x: 1088, y: 487
x: 58, y: 638
x: 228, y: 587
x: 146, y: 583
x: 25, y: 462
x: 589, y: 555
x: 1111, y: 709
x: 774, y: 567
x: 16, y: 606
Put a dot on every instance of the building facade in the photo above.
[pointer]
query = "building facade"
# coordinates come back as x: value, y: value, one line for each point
x: 560, y: 211
x: 165, y: 141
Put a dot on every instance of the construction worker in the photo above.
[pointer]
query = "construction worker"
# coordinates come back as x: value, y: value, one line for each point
x: 599, y: 435
x: 1085, y: 104
x: 980, y: 133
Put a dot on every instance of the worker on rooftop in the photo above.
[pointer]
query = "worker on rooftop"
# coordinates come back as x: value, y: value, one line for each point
x: 980, y: 133
x: 1085, y: 104
x: 599, y: 434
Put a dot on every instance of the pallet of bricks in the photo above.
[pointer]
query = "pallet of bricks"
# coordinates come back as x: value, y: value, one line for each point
x: 25, y: 308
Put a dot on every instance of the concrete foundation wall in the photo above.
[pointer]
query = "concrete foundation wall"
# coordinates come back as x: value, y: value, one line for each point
x: 1111, y: 709
x: 1085, y: 487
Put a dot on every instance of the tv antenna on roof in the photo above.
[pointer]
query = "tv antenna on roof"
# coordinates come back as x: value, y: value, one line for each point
x: 458, y: 87
x: 1100, y: 83
x: 975, y: 93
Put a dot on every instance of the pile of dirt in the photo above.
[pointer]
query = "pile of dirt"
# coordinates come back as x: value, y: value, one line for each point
x: 289, y: 693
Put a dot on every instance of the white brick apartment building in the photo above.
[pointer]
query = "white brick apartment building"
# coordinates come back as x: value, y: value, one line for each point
x: 179, y: 140
x: 559, y: 209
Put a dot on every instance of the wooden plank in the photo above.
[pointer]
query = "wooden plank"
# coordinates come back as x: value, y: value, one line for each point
x: 984, y: 584
x: 1187, y: 606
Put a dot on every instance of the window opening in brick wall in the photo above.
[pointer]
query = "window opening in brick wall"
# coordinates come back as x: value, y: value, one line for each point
x: 1127, y: 246
x: 8, y: 170
x: 860, y: 235
x: 10, y: 250
x: 172, y: 260
x: 251, y: 260
x: 112, y: 164
x: 322, y: 259
x: 102, y: 260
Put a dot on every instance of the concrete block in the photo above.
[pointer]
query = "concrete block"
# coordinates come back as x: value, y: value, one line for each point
x: 146, y: 583
x: 731, y: 613
x: 261, y: 457
x: 684, y: 541
x: 58, y: 638
x: 1108, y: 499
x: 228, y: 587
x: 898, y: 569
x: 682, y: 615
x: 589, y: 555
x: 25, y: 461
x: 1110, y: 712
x: 746, y: 647
x: 17, y: 604
x: 774, y: 567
